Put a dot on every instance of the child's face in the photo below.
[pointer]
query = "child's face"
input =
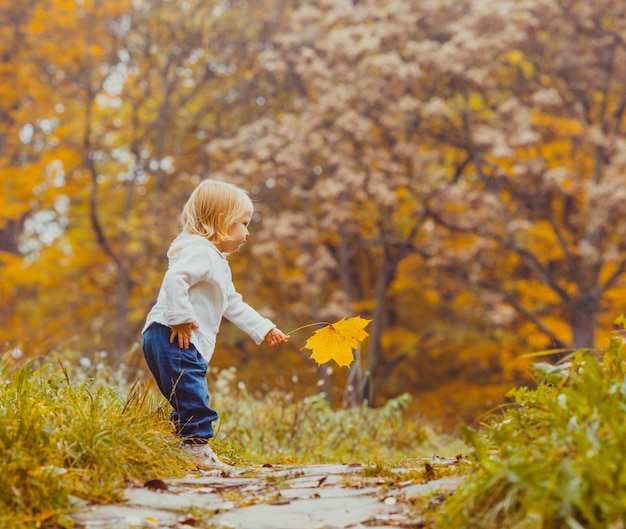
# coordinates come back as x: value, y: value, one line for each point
x: 238, y: 234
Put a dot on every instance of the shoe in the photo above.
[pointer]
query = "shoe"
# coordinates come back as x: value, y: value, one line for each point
x: 206, y: 455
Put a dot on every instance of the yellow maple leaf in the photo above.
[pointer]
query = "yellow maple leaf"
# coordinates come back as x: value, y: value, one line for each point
x: 337, y: 340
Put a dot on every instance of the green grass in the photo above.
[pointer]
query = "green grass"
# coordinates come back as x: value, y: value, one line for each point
x: 275, y: 428
x: 60, y: 441
x: 556, y: 456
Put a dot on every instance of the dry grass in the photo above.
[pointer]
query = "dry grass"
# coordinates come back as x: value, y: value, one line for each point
x: 60, y: 441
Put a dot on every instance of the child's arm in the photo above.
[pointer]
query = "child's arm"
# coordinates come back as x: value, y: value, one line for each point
x: 276, y: 337
x: 183, y: 331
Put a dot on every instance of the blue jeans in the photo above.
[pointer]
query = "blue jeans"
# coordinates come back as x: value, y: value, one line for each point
x: 180, y: 375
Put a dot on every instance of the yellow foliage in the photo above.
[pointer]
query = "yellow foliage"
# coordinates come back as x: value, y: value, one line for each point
x: 476, y: 102
x: 563, y: 127
x: 515, y: 56
x: 544, y: 240
x: 537, y: 295
x: 399, y: 339
x: 453, y: 404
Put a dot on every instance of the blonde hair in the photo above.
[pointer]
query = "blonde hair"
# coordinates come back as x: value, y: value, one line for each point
x: 213, y: 208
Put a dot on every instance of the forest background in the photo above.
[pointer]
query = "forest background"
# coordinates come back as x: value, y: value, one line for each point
x: 453, y: 170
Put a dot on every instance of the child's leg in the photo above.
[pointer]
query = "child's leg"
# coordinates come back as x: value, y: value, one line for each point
x: 181, y: 377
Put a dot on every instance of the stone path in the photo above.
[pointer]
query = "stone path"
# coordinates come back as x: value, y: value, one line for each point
x: 279, y: 497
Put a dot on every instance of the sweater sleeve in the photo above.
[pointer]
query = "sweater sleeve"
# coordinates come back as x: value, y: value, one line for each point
x: 246, y: 318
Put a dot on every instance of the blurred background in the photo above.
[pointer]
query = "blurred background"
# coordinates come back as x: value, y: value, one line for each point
x: 453, y: 170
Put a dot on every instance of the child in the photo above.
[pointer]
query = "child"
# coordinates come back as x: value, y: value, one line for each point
x: 197, y: 290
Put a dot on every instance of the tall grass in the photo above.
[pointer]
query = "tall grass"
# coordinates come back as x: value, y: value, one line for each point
x: 556, y: 457
x: 276, y: 428
x: 60, y: 441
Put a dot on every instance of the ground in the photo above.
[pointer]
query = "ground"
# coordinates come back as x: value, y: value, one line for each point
x: 283, y: 497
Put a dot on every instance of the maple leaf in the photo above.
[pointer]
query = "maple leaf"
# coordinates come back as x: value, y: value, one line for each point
x: 337, y: 340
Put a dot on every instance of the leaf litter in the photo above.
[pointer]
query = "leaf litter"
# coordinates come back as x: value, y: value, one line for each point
x: 333, y: 496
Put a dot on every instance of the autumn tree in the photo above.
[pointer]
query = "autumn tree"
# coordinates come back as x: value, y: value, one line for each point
x: 182, y: 75
x: 345, y: 162
x: 33, y: 199
x: 133, y: 103
x: 535, y: 120
x: 464, y: 141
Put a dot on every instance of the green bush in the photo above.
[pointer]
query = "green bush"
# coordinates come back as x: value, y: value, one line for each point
x: 555, y: 457
x: 275, y: 428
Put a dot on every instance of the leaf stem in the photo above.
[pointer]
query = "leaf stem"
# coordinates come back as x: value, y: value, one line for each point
x: 309, y: 325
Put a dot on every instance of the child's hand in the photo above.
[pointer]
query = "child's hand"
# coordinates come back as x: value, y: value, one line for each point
x: 276, y: 337
x: 183, y: 331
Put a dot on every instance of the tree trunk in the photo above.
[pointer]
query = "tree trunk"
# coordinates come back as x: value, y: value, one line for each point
x: 121, y: 338
x: 9, y: 235
x: 389, y: 268
x: 583, y: 322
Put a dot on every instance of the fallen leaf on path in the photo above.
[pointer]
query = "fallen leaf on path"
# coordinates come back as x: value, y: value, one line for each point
x: 156, y: 484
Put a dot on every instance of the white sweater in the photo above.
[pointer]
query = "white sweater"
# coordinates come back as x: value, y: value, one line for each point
x: 198, y: 287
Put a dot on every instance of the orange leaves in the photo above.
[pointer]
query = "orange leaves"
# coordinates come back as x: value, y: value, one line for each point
x: 337, y: 340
